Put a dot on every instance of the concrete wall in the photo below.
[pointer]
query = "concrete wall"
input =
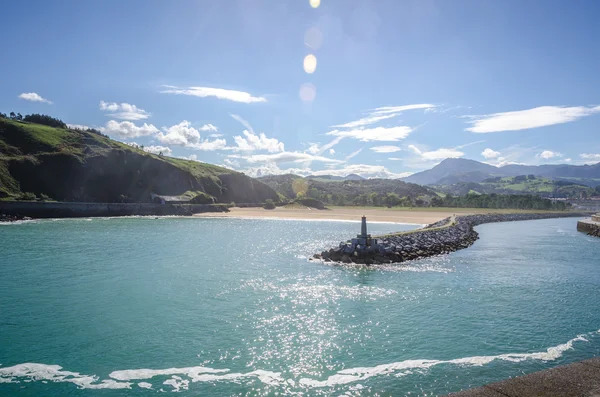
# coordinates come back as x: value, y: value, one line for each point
x: 588, y: 226
x: 72, y: 210
x: 596, y: 218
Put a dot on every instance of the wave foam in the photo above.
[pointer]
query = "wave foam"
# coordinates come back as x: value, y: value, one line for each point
x: 121, y: 379
x: 401, y: 368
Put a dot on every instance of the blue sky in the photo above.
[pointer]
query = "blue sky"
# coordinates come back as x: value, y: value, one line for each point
x: 398, y: 85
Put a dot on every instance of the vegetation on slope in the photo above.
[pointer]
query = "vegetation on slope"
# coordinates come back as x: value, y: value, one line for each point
x: 378, y: 192
x: 74, y: 165
x: 523, y: 184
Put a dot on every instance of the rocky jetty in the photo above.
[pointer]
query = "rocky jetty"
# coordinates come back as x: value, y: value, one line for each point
x: 448, y: 235
x: 13, y: 218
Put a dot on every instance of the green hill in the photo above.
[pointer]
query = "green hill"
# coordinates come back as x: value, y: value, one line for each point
x: 348, y: 192
x: 523, y: 184
x: 74, y: 165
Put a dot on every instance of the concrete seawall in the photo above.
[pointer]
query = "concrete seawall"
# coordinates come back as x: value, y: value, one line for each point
x: 590, y: 226
x: 78, y: 210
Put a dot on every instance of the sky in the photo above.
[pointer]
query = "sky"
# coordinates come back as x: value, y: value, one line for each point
x: 380, y: 88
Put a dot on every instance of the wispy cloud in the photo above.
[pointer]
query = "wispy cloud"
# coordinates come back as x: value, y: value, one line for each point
x: 490, y: 154
x: 438, y: 154
x: 364, y: 170
x: 386, y: 149
x: 549, y: 154
x: 208, y: 127
x: 316, y: 148
x: 220, y: 93
x: 531, y: 118
x: 353, y: 154
x: 34, y: 97
x: 285, y: 157
x: 400, y: 109
x: 590, y: 157
x: 385, y: 134
x: 124, y: 111
x: 365, y: 121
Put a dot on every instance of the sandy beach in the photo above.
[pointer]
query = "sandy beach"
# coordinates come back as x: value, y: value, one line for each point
x: 416, y: 216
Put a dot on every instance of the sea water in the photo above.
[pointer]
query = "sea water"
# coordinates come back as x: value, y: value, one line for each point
x: 233, y: 307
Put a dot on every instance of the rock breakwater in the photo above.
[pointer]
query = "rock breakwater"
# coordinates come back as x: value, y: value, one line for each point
x: 445, y: 236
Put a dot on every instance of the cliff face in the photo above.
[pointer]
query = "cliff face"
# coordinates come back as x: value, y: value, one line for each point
x: 70, y: 165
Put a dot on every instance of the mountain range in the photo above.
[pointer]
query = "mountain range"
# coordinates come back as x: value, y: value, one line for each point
x: 451, y: 171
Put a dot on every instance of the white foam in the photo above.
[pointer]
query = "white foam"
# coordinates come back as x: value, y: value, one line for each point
x: 401, y: 368
x: 54, y: 373
x: 139, y: 374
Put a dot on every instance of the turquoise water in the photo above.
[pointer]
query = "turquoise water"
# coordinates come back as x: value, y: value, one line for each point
x: 227, y: 307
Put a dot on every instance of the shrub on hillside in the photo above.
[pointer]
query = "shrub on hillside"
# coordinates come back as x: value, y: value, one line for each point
x: 45, y: 120
x: 28, y: 196
x: 269, y: 205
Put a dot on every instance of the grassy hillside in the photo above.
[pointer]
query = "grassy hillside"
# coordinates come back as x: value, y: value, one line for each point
x: 348, y: 192
x: 73, y: 165
x: 524, y: 184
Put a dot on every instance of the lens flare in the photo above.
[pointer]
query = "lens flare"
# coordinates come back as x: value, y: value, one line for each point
x: 315, y: 3
x: 308, y: 92
x: 310, y: 63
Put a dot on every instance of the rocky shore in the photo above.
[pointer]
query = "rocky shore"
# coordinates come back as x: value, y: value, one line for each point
x: 448, y: 235
x: 13, y: 218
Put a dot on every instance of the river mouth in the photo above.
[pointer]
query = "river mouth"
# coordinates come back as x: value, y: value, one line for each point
x: 230, y: 306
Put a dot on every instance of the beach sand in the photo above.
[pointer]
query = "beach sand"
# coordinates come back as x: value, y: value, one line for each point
x: 415, y: 216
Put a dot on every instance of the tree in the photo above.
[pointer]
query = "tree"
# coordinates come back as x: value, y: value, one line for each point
x: 45, y: 120
x: 19, y: 116
x: 269, y: 205
x: 13, y: 116
x: 2, y: 115
x: 160, y: 154
x: 391, y: 199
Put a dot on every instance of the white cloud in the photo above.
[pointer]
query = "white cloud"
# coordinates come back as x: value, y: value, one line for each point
x: 439, y: 154
x: 490, y: 154
x: 530, y: 118
x: 384, y: 134
x: 34, y: 97
x: 158, y: 149
x: 285, y: 157
x: 590, y: 157
x: 78, y: 126
x: 568, y: 160
x: 182, y: 134
x: 548, y: 154
x: 203, y: 92
x: 215, y: 135
x: 332, y: 151
x: 365, y: 121
x: 253, y: 141
x: 315, y: 148
x: 353, y: 154
x: 386, y: 149
x: 217, y: 144
x: 192, y: 157
x: 124, y: 111
x: 400, y: 109
x: 364, y: 170
x: 208, y: 127
x: 126, y: 129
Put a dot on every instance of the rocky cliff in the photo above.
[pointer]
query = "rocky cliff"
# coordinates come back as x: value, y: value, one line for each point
x: 72, y: 165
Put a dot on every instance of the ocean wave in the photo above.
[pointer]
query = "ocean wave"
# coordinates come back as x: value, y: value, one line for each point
x: 124, y: 379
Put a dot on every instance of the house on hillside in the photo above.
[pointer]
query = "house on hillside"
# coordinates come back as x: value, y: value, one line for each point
x: 162, y: 199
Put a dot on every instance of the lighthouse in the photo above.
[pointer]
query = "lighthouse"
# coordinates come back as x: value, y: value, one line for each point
x: 363, y: 227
